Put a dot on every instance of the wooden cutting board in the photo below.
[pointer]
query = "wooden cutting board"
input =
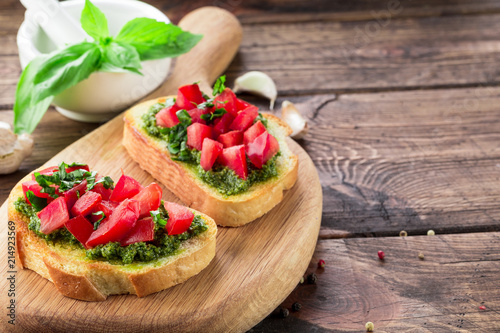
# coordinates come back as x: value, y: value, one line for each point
x: 255, y: 267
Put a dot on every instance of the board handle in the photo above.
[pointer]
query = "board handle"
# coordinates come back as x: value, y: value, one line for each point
x: 222, y: 35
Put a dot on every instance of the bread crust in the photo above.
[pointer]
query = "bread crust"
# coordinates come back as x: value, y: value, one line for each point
x: 232, y: 211
x: 92, y: 280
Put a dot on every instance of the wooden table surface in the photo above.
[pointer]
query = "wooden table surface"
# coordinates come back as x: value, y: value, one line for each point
x: 403, y: 102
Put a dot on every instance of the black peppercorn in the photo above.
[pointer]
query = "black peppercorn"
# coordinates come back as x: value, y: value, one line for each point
x: 312, y: 278
x: 296, y: 306
x: 284, y: 312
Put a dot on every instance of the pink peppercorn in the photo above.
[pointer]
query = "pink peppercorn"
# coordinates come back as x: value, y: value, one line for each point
x: 381, y: 255
x: 321, y: 263
x: 482, y: 307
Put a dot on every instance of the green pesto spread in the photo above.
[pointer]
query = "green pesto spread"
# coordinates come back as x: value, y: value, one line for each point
x: 163, y: 245
x: 223, y: 179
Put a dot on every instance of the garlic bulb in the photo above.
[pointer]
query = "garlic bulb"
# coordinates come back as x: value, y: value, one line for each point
x: 13, y: 149
x: 257, y: 83
x: 294, y: 119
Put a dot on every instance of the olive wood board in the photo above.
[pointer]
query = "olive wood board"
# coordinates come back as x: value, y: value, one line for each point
x: 255, y: 267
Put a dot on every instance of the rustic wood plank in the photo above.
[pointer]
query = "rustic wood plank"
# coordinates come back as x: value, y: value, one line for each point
x: 414, y: 160
x: 273, y: 11
x: 333, y: 57
x: 346, y: 56
x: 403, y: 293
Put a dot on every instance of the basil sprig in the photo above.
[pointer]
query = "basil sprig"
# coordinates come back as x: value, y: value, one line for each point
x: 160, y: 216
x: 67, y: 181
x: 49, y: 74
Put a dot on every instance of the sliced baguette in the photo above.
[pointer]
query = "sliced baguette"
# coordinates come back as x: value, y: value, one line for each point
x: 92, y: 280
x: 229, y: 211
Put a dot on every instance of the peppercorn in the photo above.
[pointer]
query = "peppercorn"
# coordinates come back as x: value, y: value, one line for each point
x: 482, y: 307
x: 296, y: 306
x: 430, y: 233
x: 369, y: 326
x: 284, y: 312
x: 381, y: 255
x: 321, y: 263
x: 312, y: 278
x: 421, y: 256
x: 403, y: 233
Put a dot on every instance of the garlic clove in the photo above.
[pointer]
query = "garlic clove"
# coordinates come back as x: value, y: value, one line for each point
x: 7, y: 139
x: 13, y: 149
x: 294, y: 119
x: 257, y: 83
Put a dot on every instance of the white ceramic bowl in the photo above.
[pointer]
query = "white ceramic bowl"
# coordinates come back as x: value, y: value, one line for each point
x: 102, y: 95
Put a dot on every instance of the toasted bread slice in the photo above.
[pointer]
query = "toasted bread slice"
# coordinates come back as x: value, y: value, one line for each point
x: 229, y: 211
x: 93, y: 280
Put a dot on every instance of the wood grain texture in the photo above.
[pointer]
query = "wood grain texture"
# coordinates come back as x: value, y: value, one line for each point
x: 328, y: 57
x: 403, y: 293
x: 273, y: 11
x: 333, y: 57
x: 255, y: 268
x: 418, y: 160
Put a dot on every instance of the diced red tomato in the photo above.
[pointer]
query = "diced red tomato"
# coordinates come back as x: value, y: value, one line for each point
x: 241, y: 104
x: 253, y: 131
x: 143, y: 231
x: 196, y: 116
x: 189, y: 96
x: 32, y: 185
x: 81, y: 228
x: 221, y: 125
x: 71, y: 169
x: 167, y: 117
x: 179, y: 218
x: 104, y: 192
x: 53, y: 216
x: 245, y: 119
x: 73, y: 194
x: 226, y: 100
x: 86, y: 203
x: 196, y: 133
x: 230, y: 139
x: 47, y: 171
x: 107, y: 207
x: 149, y: 199
x: 262, y: 149
x: 210, y: 151
x: 125, y: 188
x: 234, y: 159
x: 118, y: 225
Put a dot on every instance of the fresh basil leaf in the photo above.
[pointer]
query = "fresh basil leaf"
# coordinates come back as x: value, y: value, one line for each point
x: 37, y: 202
x: 61, y: 178
x: 183, y: 117
x: 98, y: 222
x: 119, y: 56
x: 45, y: 181
x: 211, y: 116
x: 262, y: 119
x: 27, y: 112
x: 160, y: 216
x: 205, y: 105
x: 93, y: 21
x: 219, y: 85
x: 65, y: 68
x: 155, y: 40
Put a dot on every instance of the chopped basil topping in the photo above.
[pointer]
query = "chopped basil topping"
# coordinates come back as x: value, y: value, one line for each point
x: 163, y: 245
x: 223, y: 179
